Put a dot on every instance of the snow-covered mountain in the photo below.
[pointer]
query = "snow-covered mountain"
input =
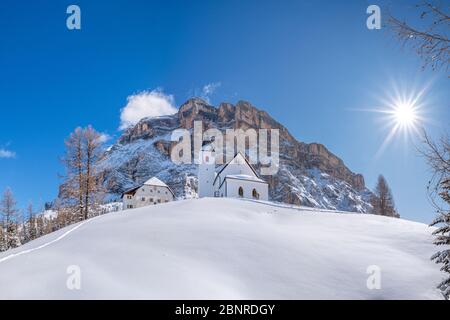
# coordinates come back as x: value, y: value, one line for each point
x: 218, y: 248
x: 308, y: 175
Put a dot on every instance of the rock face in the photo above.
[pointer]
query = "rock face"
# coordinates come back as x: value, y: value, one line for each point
x: 309, y: 174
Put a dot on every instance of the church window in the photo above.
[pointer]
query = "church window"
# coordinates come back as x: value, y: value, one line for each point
x: 241, y: 192
x: 255, y: 194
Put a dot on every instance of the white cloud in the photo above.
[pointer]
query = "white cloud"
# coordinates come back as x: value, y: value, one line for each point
x: 208, y: 90
x: 7, y: 153
x: 104, y: 137
x: 146, y: 104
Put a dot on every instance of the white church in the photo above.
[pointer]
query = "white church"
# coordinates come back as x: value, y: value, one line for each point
x: 236, y: 179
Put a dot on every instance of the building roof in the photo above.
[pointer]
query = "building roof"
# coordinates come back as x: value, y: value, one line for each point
x: 150, y: 182
x: 244, y: 177
x: 131, y: 191
x: 155, y: 182
x: 238, y: 155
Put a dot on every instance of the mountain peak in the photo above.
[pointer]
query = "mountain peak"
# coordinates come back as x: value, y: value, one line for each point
x: 192, y: 102
x: 309, y: 174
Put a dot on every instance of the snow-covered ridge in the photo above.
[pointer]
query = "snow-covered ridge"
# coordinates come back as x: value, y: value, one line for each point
x: 218, y: 248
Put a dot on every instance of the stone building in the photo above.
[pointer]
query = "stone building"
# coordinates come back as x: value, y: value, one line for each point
x: 153, y: 191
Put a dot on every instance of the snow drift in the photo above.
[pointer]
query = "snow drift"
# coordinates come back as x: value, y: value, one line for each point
x: 226, y: 249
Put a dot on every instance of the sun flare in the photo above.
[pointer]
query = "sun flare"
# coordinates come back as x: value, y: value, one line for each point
x: 405, y: 114
x: 404, y: 117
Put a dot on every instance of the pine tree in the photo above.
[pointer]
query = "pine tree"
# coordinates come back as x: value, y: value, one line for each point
x: 382, y: 201
x: 24, y: 231
x: 31, y: 223
x: 10, y: 218
x: 442, y: 234
x: 437, y: 155
x: 2, y: 237
x: 40, y: 226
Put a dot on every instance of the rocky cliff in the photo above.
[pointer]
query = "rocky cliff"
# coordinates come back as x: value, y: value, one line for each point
x: 309, y: 174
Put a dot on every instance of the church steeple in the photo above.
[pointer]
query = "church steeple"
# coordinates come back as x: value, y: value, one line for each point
x: 206, y: 170
x: 207, y: 153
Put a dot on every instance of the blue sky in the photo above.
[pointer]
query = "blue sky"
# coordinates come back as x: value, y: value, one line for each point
x: 310, y: 64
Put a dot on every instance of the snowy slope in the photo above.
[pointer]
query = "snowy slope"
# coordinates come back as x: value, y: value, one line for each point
x: 226, y: 248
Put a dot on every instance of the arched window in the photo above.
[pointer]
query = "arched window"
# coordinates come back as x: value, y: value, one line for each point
x: 255, y: 194
x: 241, y: 192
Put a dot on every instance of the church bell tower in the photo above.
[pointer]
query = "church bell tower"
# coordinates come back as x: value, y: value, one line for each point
x: 206, y: 171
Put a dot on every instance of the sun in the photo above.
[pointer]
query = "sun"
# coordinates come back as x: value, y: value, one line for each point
x: 405, y: 114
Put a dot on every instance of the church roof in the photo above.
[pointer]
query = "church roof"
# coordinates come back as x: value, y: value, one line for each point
x: 237, y: 156
x: 244, y: 177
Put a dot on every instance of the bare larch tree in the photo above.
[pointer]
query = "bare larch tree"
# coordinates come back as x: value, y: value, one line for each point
x: 93, y: 187
x: 431, y: 41
x: 383, y: 201
x: 81, y: 190
x: 10, y: 215
x: 72, y: 190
